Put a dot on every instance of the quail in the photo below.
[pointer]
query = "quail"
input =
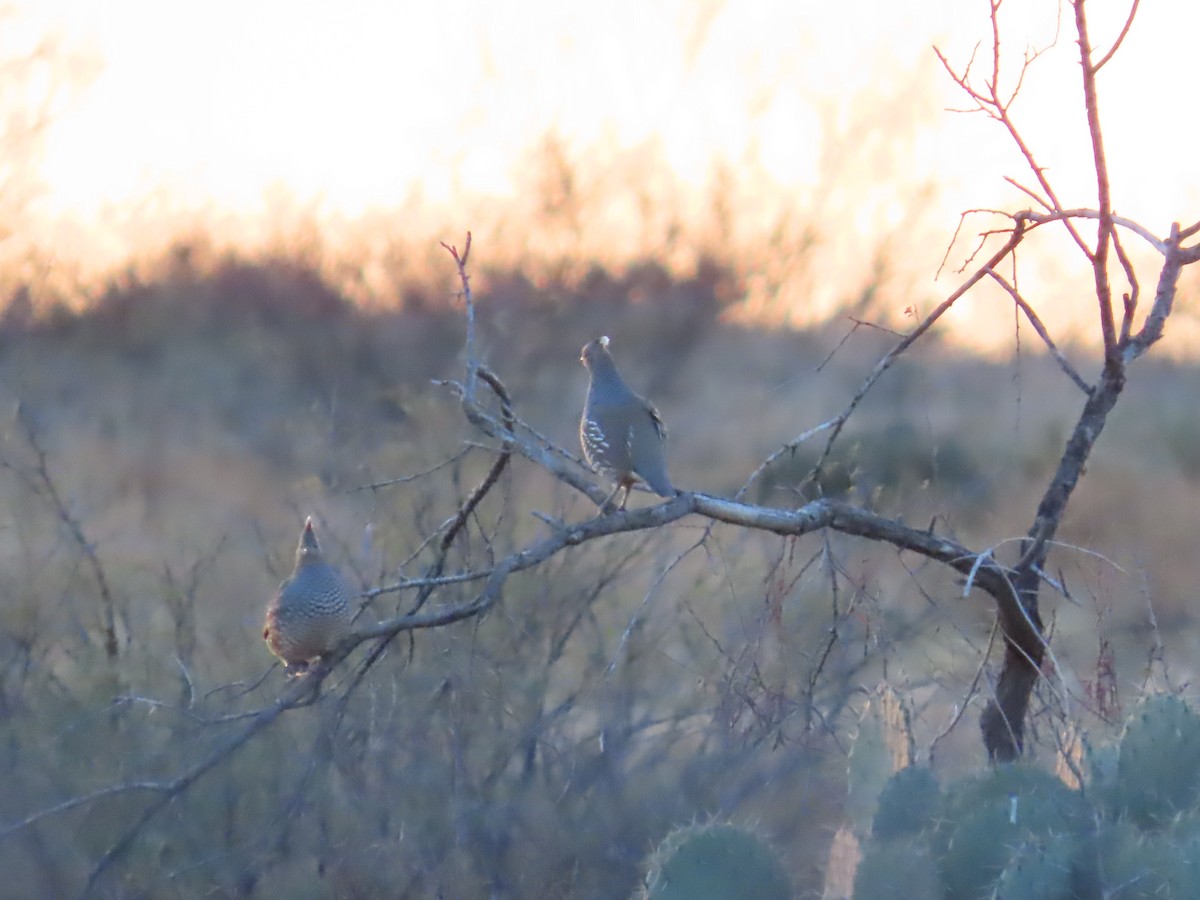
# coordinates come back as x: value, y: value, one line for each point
x: 621, y: 432
x: 311, y: 611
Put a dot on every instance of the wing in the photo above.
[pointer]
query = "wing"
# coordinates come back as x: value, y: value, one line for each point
x: 655, y: 419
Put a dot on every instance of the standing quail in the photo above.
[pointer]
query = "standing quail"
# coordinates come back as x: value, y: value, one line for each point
x: 311, y: 611
x: 622, y: 433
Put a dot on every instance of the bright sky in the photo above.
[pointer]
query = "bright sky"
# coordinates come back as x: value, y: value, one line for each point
x: 833, y: 108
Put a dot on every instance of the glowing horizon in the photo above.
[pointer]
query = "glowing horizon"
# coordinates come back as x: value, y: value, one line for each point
x: 251, y: 113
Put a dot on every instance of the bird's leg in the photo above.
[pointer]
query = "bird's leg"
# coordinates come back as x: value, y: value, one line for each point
x: 606, y: 506
x: 628, y: 485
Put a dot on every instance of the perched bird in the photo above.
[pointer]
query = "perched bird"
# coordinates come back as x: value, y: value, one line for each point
x: 621, y: 432
x: 311, y: 611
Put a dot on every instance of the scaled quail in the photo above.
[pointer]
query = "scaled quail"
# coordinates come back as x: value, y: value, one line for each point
x: 622, y: 433
x: 311, y: 611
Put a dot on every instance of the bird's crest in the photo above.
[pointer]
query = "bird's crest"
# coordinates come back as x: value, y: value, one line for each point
x: 308, y: 539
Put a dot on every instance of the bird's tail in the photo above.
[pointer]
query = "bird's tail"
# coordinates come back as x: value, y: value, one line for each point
x: 658, y: 482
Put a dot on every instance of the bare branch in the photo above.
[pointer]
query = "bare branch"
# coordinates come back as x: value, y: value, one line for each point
x: 1105, y: 231
x: 649, y: 595
x: 790, y: 447
x: 1120, y: 38
x: 1061, y: 214
x: 1034, y: 195
x: 963, y: 705
x: 1164, y: 299
x: 504, y: 431
x: 408, y: 479
x: 998, y: 109
x: 813, y: 516
x: 1130, y: 299
x: 468, y: 299
x: 1189, y: 231
x: 301, y: 692
x: 42, y: 483
x: 962, y: 218
x: 1040, y: 328
x: 127, y: 787
x: 892, y: 355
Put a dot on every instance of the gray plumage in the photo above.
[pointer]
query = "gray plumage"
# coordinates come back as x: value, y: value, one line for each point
x: 311, y: 611
x: 621, y: 432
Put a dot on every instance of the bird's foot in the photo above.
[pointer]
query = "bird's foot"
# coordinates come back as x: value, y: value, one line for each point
x: 296, y: 669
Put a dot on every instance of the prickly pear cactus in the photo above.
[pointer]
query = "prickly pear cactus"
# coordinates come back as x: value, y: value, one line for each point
x: 716, y: 862
x: 1100, y: 775
x: 900, y: 868
x: 882, y: 746
x: 1039, y: 871
x: 1131, y: 865
x: 1136, y: 863
x: 908, y: 804
x: 984, y: 819
x: 1158, y: 769
x: 1182, y: 867
x: 1130, y: 830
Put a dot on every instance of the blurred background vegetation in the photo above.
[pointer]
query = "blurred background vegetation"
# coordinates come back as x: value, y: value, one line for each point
x: 166, y: 426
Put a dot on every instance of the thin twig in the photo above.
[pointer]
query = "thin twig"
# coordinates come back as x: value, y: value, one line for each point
x: 1034, y: 195
x: 1120, y: 38
x: 43, y: 484
x: 1104, y: 234
x: 408, y: 479
x: 912, y: 337
x: 1129, y: 300
x: 1040, y: 328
